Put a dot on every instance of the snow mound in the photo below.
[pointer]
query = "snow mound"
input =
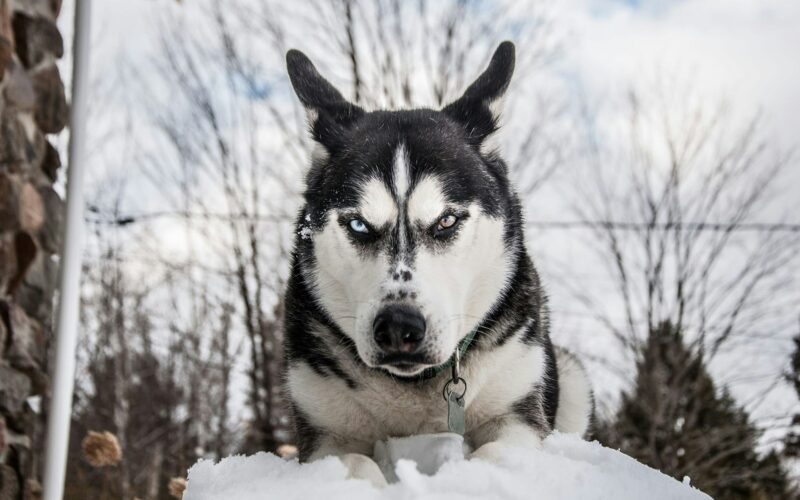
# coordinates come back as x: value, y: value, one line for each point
x: 566, y: 467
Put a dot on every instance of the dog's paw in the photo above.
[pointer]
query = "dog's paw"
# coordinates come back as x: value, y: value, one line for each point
x: 362, y: 467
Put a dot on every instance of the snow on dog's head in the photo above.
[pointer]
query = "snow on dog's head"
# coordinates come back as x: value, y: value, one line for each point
x: 406, y: 237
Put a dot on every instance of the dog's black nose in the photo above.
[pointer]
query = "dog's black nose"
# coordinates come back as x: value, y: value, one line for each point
x: 399, y: 329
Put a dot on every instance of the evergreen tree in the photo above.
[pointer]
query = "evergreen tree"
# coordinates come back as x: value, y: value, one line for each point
x: 675, y: 420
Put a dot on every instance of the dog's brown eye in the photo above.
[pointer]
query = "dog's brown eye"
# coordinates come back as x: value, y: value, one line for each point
x: 447, y: 222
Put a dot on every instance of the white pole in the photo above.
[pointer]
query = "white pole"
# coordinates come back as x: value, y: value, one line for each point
x: 70, y: 269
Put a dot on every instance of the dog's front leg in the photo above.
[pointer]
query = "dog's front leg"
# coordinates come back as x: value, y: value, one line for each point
x: 354, y: 457
x: 493, y: 439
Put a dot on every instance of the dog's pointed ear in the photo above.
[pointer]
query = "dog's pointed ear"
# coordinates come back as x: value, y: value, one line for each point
x: 478, y: 110
x: 329, y: 113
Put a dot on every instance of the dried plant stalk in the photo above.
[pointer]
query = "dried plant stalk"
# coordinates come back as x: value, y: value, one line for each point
x: 177, y: 485
x: 101, y: 449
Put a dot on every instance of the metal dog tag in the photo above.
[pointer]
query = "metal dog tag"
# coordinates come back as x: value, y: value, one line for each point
x: 455, y: 413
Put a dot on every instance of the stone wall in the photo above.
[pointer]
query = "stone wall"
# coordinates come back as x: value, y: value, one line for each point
x: 32, y: 106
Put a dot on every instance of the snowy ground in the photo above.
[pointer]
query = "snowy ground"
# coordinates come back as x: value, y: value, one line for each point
x: 567, y: 467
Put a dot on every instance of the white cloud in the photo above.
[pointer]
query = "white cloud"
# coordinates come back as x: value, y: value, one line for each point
x: 745, y: 50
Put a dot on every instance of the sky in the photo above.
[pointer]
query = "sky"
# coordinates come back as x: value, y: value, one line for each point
x: 744, y: 51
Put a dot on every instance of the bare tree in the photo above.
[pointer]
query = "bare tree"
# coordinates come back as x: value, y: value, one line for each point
x: 157, y: 377
x: 675, y: 195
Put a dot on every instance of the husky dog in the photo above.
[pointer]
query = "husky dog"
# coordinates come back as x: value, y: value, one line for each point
x: 409, y: 248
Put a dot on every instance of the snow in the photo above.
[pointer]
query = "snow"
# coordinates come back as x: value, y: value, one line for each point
x: 305, y: 232
x: 565, y: 467
x: 428, y: 452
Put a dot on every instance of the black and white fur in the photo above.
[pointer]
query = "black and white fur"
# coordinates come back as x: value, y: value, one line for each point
x: 371, y: 236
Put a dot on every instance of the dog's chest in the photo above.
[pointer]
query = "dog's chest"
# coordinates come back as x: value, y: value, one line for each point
x: 397, y: 410
x: 381, y: 407
x: 377, y: 408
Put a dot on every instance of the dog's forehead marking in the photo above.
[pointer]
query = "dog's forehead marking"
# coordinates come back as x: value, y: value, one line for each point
x: 377, y: 205
x: 426, y: 201
x: 401, y: 173
x: 401, y: 181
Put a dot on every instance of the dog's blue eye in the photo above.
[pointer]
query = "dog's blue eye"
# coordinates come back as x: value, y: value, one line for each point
x: 358, y: 226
